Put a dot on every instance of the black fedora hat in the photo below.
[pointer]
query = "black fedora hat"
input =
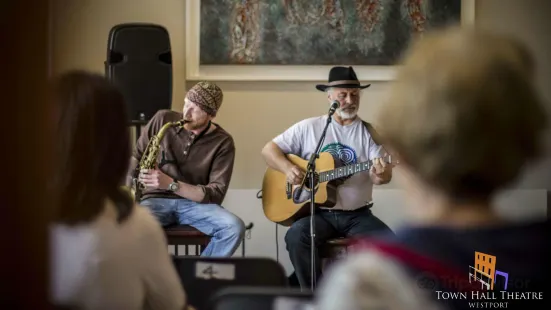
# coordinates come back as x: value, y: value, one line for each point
x: 342, y: 77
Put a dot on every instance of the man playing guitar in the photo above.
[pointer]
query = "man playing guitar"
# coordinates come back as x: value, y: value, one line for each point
x: 350, y: 142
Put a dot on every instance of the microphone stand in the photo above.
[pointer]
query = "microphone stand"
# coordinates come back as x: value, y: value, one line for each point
x: 311, y: 176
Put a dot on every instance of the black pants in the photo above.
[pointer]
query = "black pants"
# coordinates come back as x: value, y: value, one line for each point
x: 328, y: 225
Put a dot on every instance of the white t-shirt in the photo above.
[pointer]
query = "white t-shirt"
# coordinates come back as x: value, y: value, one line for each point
x: 350, y: 144
x: 106, y: 265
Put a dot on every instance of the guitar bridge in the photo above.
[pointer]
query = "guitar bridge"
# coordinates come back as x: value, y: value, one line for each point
x: 288, y: 190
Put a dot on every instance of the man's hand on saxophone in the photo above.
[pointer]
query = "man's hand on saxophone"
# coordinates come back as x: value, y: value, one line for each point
x: 154, y: 179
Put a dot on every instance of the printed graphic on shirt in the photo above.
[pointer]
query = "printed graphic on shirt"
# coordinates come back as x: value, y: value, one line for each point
x: 341, y: 152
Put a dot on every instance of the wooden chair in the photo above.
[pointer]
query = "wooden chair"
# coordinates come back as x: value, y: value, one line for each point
x: 333, y: 250
x: 188, y: 236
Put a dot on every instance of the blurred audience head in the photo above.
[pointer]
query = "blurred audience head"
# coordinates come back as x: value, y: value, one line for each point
x: 93, y: 147
x: 369, y: 281
x: 464, y: 115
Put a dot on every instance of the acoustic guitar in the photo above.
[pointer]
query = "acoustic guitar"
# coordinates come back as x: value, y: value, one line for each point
x: 284, y: 203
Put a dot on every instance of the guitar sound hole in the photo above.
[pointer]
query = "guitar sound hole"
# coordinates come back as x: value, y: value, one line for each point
x: 307, y: 183
x: 301, y: 195
x: 298, y: 195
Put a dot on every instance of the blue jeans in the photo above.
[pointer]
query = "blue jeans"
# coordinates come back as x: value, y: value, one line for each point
x: 225, y: 228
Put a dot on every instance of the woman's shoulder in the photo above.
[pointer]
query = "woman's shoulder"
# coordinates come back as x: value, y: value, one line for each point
x: 150, y: 230
x: 105, y: 230
x: 145, y: 221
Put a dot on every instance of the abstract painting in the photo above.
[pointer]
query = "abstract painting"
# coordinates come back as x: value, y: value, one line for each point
x: 316, y: 32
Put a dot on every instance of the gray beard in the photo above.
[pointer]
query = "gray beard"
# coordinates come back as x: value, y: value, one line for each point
x: 345, y: 115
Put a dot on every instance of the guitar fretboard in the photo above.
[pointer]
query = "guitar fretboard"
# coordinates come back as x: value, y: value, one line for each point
x: 345, y: 171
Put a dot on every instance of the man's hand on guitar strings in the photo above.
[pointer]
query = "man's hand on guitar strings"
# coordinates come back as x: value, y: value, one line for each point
x: 379, y: 166
x: 381, y: 171
x: 295, y: 175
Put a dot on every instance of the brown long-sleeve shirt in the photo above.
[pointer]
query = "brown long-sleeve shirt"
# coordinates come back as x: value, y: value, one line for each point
x: 206, y: 162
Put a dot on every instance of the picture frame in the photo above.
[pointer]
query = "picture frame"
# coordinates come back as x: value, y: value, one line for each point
x: 311, y: 73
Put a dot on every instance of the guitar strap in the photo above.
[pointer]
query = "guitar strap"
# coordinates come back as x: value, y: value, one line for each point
x: 374, y: 134
x: 449, y: 277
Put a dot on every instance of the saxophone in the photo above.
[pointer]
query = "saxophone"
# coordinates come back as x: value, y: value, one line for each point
x: 149, y: 157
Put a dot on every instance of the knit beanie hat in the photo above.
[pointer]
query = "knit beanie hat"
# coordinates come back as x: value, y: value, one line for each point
x: 207, y: 95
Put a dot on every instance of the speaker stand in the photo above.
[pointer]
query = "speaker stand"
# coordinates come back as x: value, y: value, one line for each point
x: 137, y: 124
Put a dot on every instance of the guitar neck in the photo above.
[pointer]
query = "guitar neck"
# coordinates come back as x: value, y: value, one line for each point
x: 344, y: 171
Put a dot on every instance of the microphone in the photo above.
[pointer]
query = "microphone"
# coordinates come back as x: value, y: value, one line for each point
x: 334, y: 106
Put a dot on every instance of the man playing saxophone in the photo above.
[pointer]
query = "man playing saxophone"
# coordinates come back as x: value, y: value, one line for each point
x: 193, y: 172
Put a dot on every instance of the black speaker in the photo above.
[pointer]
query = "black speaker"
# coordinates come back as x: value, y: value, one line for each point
x: 139, y: 62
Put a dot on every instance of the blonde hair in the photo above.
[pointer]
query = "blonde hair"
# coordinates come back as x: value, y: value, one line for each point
x: 463, y: 113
